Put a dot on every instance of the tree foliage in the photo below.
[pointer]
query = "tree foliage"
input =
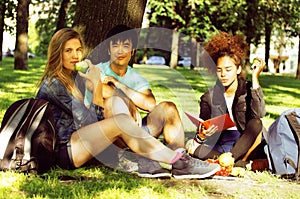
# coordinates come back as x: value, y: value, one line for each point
x: 196, y: 19
x: 53, y: 15
x: 256, y: 19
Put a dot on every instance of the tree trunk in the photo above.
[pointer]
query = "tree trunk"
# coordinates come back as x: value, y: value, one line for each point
x: 2, y: 13
x: 194, y: 47
x: 268, y: 30
x: 61, y: 23
x: 174, y: 50
x: 21, y: 48
x: 93, y: 19
x: 298, y: 68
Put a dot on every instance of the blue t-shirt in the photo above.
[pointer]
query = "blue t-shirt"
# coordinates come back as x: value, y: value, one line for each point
x: 132, y: 79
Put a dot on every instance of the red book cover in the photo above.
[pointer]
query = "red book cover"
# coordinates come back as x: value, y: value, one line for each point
x: 223, y: 122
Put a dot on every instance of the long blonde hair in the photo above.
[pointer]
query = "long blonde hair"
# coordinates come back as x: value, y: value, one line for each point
x: 54, y: 66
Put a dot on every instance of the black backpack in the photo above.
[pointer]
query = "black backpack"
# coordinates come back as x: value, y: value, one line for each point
x: 27, y: 137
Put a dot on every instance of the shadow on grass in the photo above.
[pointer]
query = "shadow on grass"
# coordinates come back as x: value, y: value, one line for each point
x: 89, y: 183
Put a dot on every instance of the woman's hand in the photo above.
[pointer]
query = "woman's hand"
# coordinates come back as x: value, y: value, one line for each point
x: 93, y: 76
x: 203, y: 133
x: 257, y: 66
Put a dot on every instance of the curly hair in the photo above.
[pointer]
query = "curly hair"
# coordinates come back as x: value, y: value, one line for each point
x: 225, y: 44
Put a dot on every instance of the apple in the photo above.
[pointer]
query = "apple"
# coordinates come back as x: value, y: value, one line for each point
x: 81, y: 66
x: 226, y: 159
x: 238, y: 172
x: 256, y: 63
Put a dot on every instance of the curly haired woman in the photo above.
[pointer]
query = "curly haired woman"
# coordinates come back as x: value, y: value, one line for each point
x: 232, y: 94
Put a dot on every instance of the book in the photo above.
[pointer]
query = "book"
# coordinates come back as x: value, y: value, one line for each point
x: 223, y: 122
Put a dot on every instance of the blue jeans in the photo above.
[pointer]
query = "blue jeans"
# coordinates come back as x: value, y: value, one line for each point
x: 227, y: 140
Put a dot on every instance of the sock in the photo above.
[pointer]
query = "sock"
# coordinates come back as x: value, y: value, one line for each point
x: 180, y: 150
x: 177, y: 157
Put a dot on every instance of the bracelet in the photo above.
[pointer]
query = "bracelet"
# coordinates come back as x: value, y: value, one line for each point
x: 99, y: 111
x: 198, y: 139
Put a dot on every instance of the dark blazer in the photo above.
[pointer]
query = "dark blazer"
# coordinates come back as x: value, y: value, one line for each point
x: 248, y: 103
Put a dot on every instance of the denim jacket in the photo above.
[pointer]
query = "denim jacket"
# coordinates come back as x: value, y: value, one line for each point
x: 248, y: 103
x: 69, y: 113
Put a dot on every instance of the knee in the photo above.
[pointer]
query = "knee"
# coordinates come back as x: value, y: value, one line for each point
x: 168, y: 107
x: 255, y: 125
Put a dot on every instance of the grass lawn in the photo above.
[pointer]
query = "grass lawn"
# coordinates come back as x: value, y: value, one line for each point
x: 181, y: 86
x: 184, y: 87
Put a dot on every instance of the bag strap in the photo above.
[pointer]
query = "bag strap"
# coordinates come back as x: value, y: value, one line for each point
x: 33, y: 127
x: 295, y: 126
x: 9, y: 129
x: 30, y: 124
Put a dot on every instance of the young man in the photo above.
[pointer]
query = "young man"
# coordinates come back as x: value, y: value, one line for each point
x: 116, y: 74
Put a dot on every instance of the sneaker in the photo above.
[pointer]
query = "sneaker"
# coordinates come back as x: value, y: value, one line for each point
x: 127, y: 161
x: 189, y: 167
x: 152, y: 169
x: 191, y: 146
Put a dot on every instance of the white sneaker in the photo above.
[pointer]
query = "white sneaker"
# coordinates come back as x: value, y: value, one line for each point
x: 191, y: 145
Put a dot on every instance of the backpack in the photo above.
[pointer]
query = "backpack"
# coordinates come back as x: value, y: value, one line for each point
x: 27, y: 137
x: 282, y: 147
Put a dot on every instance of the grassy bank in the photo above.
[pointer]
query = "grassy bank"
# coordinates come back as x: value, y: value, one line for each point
x: 182, y: 86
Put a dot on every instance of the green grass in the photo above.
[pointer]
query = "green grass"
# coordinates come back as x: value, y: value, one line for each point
x: 182, y: 86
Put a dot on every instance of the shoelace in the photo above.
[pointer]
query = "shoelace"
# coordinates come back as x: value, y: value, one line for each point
x: 194, y: 162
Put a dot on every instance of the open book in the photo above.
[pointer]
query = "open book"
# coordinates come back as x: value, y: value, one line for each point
x: 223, y: 122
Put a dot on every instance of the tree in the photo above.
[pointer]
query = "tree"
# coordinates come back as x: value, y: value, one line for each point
x: 288, y: 12
x: 282, y: 17
x: 199, y: 28
x: 53, y: 15
x: 21, y: 48
x: 298, y: 68
x: 62, y: 15
x: 6, y: 11
x: 2, y: 12
x: 171, y: 13
x: 184, y: 16
x: 93, y: 19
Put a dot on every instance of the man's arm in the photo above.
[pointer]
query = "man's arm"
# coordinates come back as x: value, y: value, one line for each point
x: 144, y: 100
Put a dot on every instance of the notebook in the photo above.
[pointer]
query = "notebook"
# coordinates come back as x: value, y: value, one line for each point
x: 223, y: 122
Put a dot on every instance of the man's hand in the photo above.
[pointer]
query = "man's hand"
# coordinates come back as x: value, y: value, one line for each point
x: 110, y: 80
x: 135, y: 113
